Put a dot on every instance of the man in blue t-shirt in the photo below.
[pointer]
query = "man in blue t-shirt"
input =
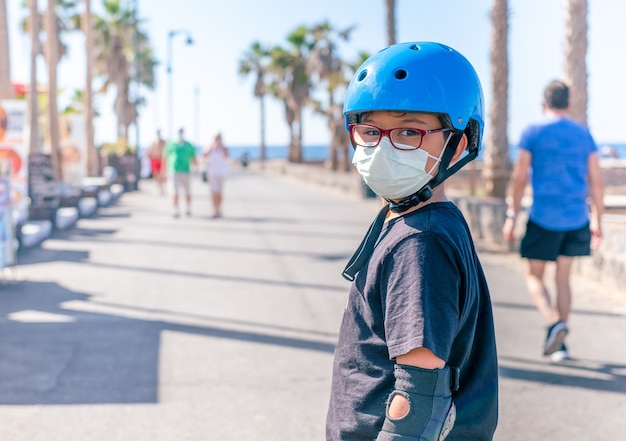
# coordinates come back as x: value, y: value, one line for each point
x: 560, y: 157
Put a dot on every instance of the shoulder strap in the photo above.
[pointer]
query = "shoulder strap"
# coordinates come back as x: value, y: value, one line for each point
x: 365, y: 249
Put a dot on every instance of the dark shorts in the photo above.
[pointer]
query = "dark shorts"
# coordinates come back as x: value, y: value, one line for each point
x: 541, y: 244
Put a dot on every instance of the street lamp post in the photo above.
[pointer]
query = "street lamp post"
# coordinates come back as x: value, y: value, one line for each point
x: 188, y: 41
x: 137, y: 89
x: 196, y: 111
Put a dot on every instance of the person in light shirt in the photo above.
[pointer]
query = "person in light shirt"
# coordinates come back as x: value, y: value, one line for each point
x: 217, y: 170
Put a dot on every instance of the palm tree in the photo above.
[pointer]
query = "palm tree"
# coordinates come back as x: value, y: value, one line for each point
x: 53, y: 112
x: 33, y: 108
x: 326, y: 67
x: 114, y: 36
x: 287, y: 73
x: 390, y: 14
x: 143, y: 65
x: 6, y: 88
x: 575, y: 57
x: 291, y: 84
x: 112, y: 41
x: 53, y: 50
x: 92, y: 153
x: 256, y: 61
x: 497, y: 164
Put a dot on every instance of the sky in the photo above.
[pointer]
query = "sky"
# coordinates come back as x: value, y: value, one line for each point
x: 209, y: 95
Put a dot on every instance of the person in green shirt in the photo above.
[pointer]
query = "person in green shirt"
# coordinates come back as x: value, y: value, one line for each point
x: 179, y: 158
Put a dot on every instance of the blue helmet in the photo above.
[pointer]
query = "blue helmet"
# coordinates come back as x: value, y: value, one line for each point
x: 423, y: 77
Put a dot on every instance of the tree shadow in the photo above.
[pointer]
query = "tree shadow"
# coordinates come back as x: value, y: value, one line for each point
x: 571, y: 373
x: 52, y: 354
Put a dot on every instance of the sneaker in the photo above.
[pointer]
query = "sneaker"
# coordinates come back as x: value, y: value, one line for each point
x: 554, y: 339
x: 561, y: 355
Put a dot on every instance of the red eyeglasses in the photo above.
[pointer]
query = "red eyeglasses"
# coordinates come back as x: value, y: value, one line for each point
x: 367, y: 135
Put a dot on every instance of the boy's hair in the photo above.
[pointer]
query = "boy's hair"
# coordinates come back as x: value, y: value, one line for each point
x: 556, y: 95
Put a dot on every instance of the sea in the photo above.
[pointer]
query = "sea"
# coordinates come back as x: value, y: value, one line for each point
x: 315, y: 153
x: 310, y: 153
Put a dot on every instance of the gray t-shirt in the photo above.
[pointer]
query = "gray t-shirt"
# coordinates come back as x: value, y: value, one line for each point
x: 422, y: 287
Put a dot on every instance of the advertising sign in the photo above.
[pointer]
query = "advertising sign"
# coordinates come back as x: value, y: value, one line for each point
x: 42, y: 187
x: 7, y: 230
x: 13, y: 146
x: 74, y: 149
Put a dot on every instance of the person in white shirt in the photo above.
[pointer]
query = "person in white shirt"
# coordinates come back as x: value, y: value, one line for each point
x: 217, y: 170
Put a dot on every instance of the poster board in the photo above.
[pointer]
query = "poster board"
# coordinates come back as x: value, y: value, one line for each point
x: 43, y: 189
x: 7, y: 228
x: 74, y: 149
x: 14, y: 147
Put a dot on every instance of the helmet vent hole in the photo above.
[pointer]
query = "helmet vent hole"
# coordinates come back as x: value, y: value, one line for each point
x: 362, y: 75
x: 400, y: 74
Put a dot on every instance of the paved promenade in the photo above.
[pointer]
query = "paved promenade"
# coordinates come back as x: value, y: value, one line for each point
x: 137, y: 326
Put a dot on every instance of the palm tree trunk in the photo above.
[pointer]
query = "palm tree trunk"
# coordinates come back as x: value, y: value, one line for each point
x: 575, y: 57
x: 332, y: 124
x: 33, y: 110
x: 93, y: 164
x: 53, y: 110
x: 497, y: 165
x: 263, y: 146
x: 295, y: 149
x: 6, y: 88
x: 121, y: 108
x: 390, y: 9
x: 333, y: 162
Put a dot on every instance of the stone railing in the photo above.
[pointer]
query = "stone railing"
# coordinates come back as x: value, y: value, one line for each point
x: 486, y: 216
x: 607, y: 264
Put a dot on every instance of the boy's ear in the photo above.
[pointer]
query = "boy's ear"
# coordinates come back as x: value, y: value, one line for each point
x: 460, y: 148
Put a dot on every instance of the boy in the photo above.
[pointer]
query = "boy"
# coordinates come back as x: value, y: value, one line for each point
x: 416, y: 357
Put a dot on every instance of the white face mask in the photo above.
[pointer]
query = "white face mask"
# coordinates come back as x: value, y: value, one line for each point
x: 391, y: 173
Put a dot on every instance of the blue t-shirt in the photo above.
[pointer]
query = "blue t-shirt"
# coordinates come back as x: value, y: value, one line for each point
x: 422, y: 287
x: 560, y: 150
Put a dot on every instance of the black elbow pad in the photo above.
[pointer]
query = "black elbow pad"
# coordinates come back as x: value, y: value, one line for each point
x: 431, y: 412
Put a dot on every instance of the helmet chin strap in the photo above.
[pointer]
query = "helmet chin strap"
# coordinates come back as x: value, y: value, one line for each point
x: 443, y: 173
x: 365, y: 249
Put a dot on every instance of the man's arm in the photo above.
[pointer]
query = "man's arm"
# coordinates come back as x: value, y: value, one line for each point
x: 596, y: 194
x: 519, y: 179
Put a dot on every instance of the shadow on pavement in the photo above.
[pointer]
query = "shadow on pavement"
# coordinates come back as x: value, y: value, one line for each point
x: 577, y: 311
x: 84, y: 232
x: 52, y: 354
x: 577, y: 373
x: 51, y: 255
x: 38, y: 254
